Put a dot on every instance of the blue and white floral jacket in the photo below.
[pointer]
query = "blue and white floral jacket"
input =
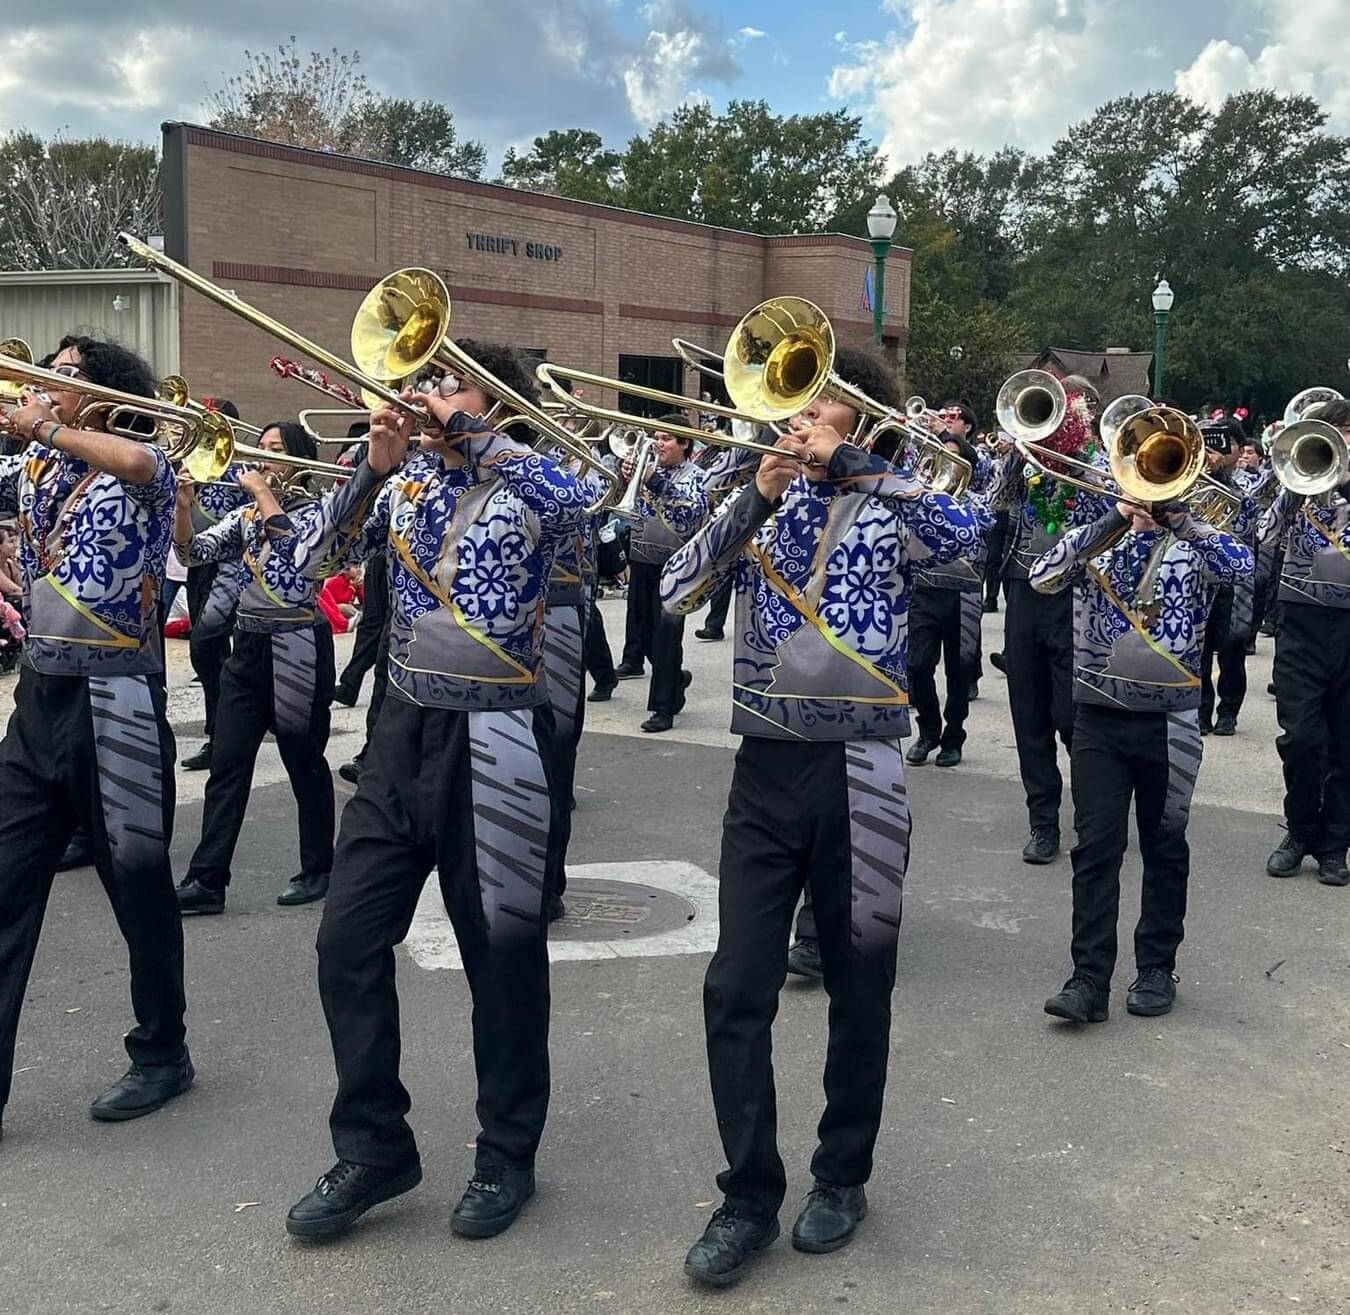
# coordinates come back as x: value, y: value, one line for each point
x: 1316, y: 533
x: 93, y: 550
x: 822, y: 596
x: 673, y: 503
x: 470, y: 548
x: 1138, y: 654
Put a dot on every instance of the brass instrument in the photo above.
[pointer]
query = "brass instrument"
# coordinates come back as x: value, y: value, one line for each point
x: 14, y: 349
x: 1301, y: 403
x: 1124, y: 408
x: 1031, y: 405
x: 173, y: 388
x: 403, y: 325
x: 639, y: 448
x: 1310, y: 457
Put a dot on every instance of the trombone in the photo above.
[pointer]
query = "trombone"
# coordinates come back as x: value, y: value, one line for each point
x: 173, y: 388
x: 1310, y: 457
x: 13, y: 349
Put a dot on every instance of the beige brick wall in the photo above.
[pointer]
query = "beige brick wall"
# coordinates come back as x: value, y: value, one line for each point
x: 600, y: 282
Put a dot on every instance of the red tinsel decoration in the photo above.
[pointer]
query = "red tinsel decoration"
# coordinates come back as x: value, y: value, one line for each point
x: 1074, y: 436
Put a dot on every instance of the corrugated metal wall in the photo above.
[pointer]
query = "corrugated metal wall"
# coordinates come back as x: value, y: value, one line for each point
x: 137, y: 308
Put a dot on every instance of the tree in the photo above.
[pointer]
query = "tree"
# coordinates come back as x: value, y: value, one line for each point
x: 963, y: 352
x: 570, y: 163
x: 322, y: 102
x: 66, y: 201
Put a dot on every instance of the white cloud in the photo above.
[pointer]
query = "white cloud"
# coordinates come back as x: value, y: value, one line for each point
x: 682, y: 49
x: 753, y: 33
x: 979, y: 74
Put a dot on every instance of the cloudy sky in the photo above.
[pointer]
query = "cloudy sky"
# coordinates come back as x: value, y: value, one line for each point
x: 925, y: 74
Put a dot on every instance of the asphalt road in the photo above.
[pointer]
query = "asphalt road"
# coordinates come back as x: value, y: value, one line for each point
x: 1195, y: 1163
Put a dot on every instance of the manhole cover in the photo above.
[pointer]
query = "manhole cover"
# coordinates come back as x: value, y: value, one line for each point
x: 599, y: 910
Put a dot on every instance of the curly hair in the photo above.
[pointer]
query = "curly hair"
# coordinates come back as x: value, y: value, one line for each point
x: 112, y: 366
x: 509, y: 365
x: 863, y: 369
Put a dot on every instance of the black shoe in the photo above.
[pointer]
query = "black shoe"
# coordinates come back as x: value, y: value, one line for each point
x: 344, y: 696
x: 304, y: 888
x: 728, y: 1242
x: 141, y: 1090
x: 494, y: 1197
x: 350, y: 772
x: 990, y: 605
x: 1270, y: 688
x: 918, y: 752
x: 193, y: 897
x: 1042, y: 845
x: 77, y: 854
x: 1151, y: 993
x: 658, y: 722
x: 1206, y: 728
x: 344, y: 1194
x: 624, y: 672
x: 948, y: 757
x: 1080, y: 1001
x: 803, y: 959
x: 1331, y: 870
x: 707, y: 632
x: 973, y: 694
x: 554, y: 908
x: 602, y: 693
x: 1287, y: 858
x: 200, y: 761
x: 1225, y: 724
x: 829, y: 1218
x: 996, y: 661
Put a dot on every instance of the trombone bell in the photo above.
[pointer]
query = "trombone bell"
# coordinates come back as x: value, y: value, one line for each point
x: 1310, y: 457
x: 1031, y: 405
x: 779, y: 358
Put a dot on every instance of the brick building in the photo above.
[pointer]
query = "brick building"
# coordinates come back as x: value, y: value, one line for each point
x: 304, y: 234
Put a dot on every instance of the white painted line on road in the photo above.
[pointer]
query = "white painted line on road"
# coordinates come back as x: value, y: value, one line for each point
x: 431, y: 940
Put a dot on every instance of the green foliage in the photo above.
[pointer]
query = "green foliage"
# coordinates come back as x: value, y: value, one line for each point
x: 571, y: 163
x: 321, y: 101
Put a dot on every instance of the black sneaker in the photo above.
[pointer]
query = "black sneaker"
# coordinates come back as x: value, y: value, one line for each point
x: 1206, y: 727
x: 1042, y: 845
x: 1287, y: 858
x: 1079, y: 1001
x: 304, y: 889
x: 1151, y: 993
x: 996, y: 661
x: 707, y: 632
x: 199, y: 761
x: 1225, y: 724
x: 602, y: 693
x: 554, y: 908
x: 494, y: 1197
x: 194, y: 898
x: 918, y: 751
x: 829, y: 1218
x: 1331, y: 870
x: 344, y: 1194
x: 990, y: 605
x: 624, y: 672
x: 803, y: 960
x: 350, y: 772
x: 1270, y: 688
x: 729, y: 1241
x: 973, y: 693
x: 77, y: 853
x: 658, y: 722
x: 948, y: 756
x: 344, y: 696
x: 141, y: 1090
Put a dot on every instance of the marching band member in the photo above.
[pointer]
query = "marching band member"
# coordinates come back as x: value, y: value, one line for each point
x: 945, y: 613
x: 455, y: 778
x: 822, y: 544
x: 278, y: 679
x: 673, y: 504
x: 1038, y: 629
x: 1312, y: 671
x: 211, y: 609
x: 1232, y: 617
x: 1136, y: 732
x: 89, y: 742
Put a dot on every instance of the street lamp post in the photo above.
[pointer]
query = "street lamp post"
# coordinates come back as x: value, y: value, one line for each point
x: 1163, y: 297
x: 881, y: 227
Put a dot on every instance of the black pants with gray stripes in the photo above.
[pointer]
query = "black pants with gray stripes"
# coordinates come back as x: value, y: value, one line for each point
x: 96, y: 753
x: 834, y: 816
x: 279, y: 683
x: 466, y: 794
x: 1151, y: 758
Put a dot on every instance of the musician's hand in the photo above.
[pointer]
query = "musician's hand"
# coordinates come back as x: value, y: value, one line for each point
x: 626, y: 469
x: 1140, y: 518
x: 253, y: 482
x: 187, y: 489
x: 34, y: 409
x: 776, y: 473
x: 819, y: 443
x: 390, y: 429
x: 934, y: 422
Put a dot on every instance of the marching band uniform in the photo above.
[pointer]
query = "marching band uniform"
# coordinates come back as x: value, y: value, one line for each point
x: 278, y: 679
x: 1312, y: 679
x: 818, y: 796
x: 1136, y: 733
x: 672, y: 504
x: 455, y: 778
x: 89, y: 745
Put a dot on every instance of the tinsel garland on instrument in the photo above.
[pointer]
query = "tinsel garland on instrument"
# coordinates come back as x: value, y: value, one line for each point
x: 1051, y: 499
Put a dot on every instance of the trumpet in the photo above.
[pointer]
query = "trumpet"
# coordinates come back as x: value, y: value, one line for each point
x: 1310, y: 457
x: 637, y: 447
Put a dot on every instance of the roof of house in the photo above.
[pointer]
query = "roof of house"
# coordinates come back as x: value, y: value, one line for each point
x: 1113, y: 373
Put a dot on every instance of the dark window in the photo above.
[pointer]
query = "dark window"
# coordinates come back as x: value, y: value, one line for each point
x: 663, y: 372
